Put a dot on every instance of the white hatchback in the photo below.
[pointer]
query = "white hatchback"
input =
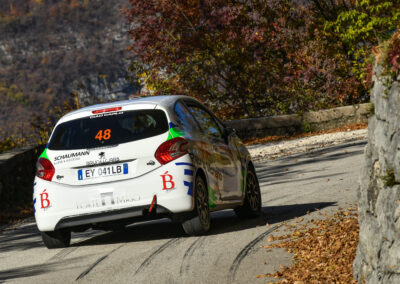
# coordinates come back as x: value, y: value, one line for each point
x: 110, y: 165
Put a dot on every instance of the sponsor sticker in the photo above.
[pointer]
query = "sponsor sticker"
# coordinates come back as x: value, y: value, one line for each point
x: 70, y: 157
x: 107, y: 199
x: 167, y: 180
x: 44, y: 200
x: 106, y: 114
x: 102, y: 160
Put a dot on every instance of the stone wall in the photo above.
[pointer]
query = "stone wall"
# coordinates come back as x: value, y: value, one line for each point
x: 378, y: 252
x: 17, y: 171
x: 293, y: 123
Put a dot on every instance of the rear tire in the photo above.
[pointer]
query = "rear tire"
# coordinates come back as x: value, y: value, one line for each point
x: 200, y: 223
x: 252, y: 200
x: 56, y: 239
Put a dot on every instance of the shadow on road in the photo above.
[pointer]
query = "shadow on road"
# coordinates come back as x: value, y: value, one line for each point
x: 277, y: 214
x: 315, y: 156
x: 288, y: 169
x: 33, y: 270
x: 28, y: 236
x: 20, y: 239
x: 222, y: 222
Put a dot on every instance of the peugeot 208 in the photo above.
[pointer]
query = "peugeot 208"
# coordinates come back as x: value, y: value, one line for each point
x: 110, y: 165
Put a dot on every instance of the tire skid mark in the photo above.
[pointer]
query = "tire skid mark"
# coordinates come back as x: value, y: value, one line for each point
x: 244, y: 252
x: 90, y: 268
x: 188, y: 254
x: 63, y: 253
x: 147, y: 261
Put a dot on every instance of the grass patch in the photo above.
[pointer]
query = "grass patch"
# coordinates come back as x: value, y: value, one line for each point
x: 371, y: 109
x: 389, y: 179
x: 306, y: 127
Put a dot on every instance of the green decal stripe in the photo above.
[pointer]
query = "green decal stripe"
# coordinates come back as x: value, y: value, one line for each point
x: 212, y: 199
x: 174, y: 132
x: 44, y: 154
x: 243, y: 180
x: 169, y: 136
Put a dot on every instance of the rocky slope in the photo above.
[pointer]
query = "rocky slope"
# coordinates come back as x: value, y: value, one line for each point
x: 50, y: 49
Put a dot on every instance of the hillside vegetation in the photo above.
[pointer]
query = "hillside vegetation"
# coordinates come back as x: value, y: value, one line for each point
x: 50, y: 49
x: 243, y: 58
x: 257, y: 58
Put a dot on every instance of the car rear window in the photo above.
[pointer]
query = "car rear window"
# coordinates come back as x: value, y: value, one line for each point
x: 108, y: 129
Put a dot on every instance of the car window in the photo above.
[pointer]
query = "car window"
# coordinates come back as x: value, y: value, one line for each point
x: 185, y: 118
x: 206, y: 121
x: 108, y: 129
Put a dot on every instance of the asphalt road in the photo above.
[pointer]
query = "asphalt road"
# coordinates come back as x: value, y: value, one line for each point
x: 159, y: 251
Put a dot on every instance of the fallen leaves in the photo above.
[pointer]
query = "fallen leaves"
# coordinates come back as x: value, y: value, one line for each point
x: 15, y: 214
x: 324, y: 250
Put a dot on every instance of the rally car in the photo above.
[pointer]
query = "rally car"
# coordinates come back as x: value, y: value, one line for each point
x: 109, y: 165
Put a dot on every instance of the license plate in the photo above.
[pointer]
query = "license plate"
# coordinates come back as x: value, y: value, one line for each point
x: 104, y: 171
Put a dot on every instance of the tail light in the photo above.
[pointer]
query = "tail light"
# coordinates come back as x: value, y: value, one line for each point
x: 44, y: 169
x: 171, y: 150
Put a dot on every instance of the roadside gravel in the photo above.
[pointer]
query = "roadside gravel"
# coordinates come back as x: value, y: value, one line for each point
x: 272, y: 150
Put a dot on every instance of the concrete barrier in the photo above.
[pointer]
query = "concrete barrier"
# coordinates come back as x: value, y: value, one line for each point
x: 17, y: 171
x: 292, y: 124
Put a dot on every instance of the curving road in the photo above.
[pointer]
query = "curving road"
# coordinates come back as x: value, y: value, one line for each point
x: 159, y: 251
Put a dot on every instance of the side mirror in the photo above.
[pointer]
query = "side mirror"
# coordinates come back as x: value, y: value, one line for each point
x: 228, y: 131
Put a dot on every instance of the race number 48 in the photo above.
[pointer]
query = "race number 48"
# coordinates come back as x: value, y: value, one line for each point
x: 103, y: 134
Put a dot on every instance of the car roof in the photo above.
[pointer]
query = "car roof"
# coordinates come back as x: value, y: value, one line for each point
x: 163, y: 101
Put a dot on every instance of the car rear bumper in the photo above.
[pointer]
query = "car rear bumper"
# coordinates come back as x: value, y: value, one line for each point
x: 136, y: 213
x: 58, y: 205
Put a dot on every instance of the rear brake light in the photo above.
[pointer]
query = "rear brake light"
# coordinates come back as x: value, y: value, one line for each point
x: 106, y: 110
x: 44, y: 169
x: 171, y: 150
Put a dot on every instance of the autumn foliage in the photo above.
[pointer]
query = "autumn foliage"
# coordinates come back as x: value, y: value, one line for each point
x: 323, y: 250
x: 392, y: 55
x: 246, y: 58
